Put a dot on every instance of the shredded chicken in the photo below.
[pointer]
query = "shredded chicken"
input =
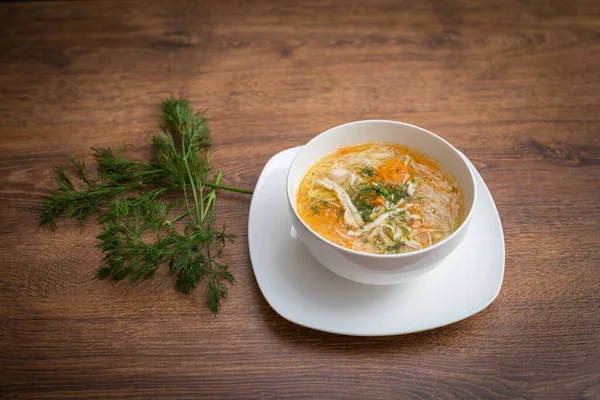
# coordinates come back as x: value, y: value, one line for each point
x: 371, y: 225
x: 351, y: 214
x: 341, y: 176
x: 411, y: 189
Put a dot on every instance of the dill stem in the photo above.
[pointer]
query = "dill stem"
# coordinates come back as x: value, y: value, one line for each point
x: 131, y: 235
x: 202, y: 200
x: 159, y: 192
x: 210, y: 204
x: 231, y: 189
x: 149, y: 172
x: 187, y: 204
x: 191, y: 179
x: 217, y: 180
x: 177, y: 218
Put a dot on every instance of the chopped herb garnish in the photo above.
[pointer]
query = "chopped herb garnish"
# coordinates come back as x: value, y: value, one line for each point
x: 366, y: 196
x: 362, y: 200
x: 368, y: 171
x: 394, y: 248
x: 392, y: 193
x: 324, y: 203
x: 405, y: 230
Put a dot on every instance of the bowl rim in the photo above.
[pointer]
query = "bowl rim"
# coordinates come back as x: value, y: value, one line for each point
x: 410, y: 254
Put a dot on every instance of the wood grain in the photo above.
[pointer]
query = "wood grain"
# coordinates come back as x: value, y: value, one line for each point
x: 513, y: 84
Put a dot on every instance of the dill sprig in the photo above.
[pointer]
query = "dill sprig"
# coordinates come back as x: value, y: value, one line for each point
x: 141, y: 229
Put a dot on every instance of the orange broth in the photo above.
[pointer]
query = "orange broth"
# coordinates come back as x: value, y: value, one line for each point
x: 380, y: 198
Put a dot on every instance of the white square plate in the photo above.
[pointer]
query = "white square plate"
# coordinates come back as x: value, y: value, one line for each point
x: 302, y: 291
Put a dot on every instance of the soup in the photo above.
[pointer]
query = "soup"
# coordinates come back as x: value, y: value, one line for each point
x: 380, y: 198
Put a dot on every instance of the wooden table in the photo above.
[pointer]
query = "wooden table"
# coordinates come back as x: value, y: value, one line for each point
x: 515, y: 85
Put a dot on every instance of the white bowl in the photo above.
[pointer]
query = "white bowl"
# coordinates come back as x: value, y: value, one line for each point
x: 379, y: 269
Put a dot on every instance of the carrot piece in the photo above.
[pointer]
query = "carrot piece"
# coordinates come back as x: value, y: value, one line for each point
x: 393, y: 171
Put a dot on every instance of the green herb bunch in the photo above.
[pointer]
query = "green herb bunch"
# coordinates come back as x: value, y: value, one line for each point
x: 142, y: 228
